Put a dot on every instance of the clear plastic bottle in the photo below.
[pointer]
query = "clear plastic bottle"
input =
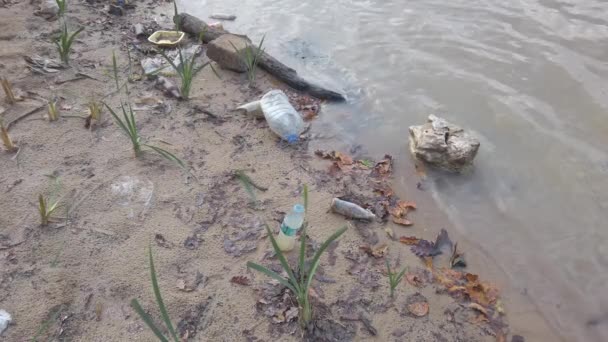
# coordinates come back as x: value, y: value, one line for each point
x: 282, y: 118
x: 291, y: 223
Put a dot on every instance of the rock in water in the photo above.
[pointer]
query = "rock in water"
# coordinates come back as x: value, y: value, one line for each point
x: 443, y: 144
x: 227, y: 51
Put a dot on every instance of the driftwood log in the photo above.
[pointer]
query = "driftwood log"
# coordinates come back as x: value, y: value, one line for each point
x: 192, y: 25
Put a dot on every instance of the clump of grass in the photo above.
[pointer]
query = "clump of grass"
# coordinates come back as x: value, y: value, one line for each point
x: 63, y: 6
x: 251, y: 57
x: 53, y: 111
x: 64, y: 43
x: 186, y: 71
x: 6, y: 139
x: 8, y: 91
x: 46, y: 208
x: 161, y: 306
x: 129, y: 127
x: 298, y: 282
x: 394, y: 278
x: 95, y: 109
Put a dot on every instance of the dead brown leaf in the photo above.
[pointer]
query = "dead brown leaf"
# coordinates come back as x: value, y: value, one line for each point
x: 402, y: 221
x: 401, y: 208
x: 241, y: 280
x: 384, y: 191
x: 309, y: 113
x: 161, y: 241
x: 414, y: 279
x: 479, y: 319
x: 419, y: 309
x: 479, y: 308
x: 343, y: 158
x: 409, y: 240
x: 383, y: 168
x: 376, y: 252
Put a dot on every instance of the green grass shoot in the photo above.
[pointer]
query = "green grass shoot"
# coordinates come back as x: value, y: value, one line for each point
x: 46, y: 208
x: 46, y: 324
x: 53, y: 111
x: 129, y: 126
x: 8, y: 91
x: 161, y: 306
x: 64, y: 43
x: 394, y: 278
x: 186, y: 71
x: 6, y: 139
x: 63, y: 6
x: 115, y: 69
x: 175, y: 17
x: 251, y: 57
x: 298, y: 282
x: 95, y: 109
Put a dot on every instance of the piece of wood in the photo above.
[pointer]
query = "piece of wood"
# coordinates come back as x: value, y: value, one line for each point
x: 192, y: 25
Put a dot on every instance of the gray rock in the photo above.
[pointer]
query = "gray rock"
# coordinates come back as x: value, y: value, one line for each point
x: 49, y: 9
x: 443, y: 144
x: 222, y: 51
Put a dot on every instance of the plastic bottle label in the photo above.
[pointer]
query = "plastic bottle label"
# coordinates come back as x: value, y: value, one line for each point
x: 288, y: 231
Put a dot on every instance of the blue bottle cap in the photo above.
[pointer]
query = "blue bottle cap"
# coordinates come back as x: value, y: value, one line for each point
x: 298, y: 208
x: 292, y: 138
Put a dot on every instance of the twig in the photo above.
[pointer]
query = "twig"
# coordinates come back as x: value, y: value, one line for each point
x: 242, y: 175
x: 8, y: 126
x: 79, y: 76
x: 11, y: 245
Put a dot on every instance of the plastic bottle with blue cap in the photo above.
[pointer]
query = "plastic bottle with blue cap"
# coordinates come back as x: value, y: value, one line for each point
x: 282, y: 118
x: 289, y: 228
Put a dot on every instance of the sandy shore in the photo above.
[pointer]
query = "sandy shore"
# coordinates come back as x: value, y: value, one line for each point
x: 74, y: 279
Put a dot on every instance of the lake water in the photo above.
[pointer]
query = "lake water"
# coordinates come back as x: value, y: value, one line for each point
x: 529, y: 78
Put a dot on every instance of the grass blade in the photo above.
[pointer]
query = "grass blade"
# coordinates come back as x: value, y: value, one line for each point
x: 282, y: 259
x: 167, y: 155
x: 317, y: 257
x: 118, y: 120
x: 271, y: 274
x: 115, y: 69
x: 303, y: 233
x: 148, y: 320
x: 159, y: 298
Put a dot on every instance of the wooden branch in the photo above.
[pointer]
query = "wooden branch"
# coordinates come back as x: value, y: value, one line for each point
x: 192, y: 25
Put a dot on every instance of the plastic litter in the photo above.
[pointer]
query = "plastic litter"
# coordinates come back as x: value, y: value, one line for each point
x: 166, y: 38
x: 351, y: 210
x: 290, y: 226
x: 168, y: 87
x: 133, y: 193
x: 282, y: 118
x: 5, y: 319
x: 253, y: 109
x: 222, y: 16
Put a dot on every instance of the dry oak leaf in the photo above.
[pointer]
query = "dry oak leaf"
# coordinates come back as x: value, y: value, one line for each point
x: 409, y: 240
x: 376, y: 252
x: 419, y: 309
x: 402, y: 221
x: 414, y: 279
x: 241, y: 280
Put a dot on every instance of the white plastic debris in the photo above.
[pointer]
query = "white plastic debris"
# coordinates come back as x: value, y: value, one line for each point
x: 5, y: 319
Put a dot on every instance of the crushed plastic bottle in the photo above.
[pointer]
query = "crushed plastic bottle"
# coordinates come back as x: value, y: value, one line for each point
x: 291, y: 223
x: 282, y: 118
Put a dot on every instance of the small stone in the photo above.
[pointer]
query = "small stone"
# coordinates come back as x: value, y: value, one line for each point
x: 222, y: 50
x: 443, y: 144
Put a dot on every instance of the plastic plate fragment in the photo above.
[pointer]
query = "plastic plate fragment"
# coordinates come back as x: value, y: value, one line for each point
x: 166, y: 38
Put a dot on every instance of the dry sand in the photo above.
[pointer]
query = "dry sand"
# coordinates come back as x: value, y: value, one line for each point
x: 89, y: 267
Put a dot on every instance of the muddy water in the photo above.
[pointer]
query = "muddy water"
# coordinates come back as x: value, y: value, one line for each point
x: 530, y: 78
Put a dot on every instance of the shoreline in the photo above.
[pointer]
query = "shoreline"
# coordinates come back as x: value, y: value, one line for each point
x: 49, y: 267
